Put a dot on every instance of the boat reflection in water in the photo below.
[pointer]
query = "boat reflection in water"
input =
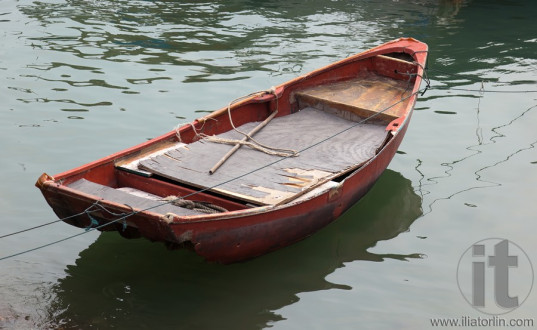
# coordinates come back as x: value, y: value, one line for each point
x: 136, y: 284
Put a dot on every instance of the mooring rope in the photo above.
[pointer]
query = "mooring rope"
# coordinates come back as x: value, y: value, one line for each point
x: 42, y: 225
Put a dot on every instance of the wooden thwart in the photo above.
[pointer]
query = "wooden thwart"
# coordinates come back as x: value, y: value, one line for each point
x: 137, y: 202
x: 364, y: 96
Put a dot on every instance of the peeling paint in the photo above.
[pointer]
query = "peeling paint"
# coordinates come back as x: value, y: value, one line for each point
x: 186, y: 236
x: 168, y: 217
x: 334, y: 192
x: 273, y: 196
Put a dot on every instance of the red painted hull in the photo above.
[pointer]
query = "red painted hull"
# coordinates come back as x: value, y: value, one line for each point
x: 241, y: 233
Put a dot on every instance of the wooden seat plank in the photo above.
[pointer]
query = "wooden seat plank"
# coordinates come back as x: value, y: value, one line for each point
x: 122, y: 197
x: 364, y: 96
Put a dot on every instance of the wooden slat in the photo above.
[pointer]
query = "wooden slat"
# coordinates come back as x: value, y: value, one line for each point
x: 123, y: 197
x: 364, y: 97
x: 282, y: 180
x: 131, y: 163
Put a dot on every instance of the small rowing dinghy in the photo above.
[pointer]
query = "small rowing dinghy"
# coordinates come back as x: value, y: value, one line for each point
x: 264, y: 172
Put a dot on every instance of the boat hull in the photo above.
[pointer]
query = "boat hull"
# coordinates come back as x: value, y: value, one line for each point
x: 242, y: 233
x: 239, y: 239
x: 233, y: 237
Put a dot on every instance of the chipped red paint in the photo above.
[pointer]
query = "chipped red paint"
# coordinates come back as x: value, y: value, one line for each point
x: 241, y: 233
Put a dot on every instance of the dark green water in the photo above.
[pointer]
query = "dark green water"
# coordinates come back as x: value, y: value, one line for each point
x: 83, y: 79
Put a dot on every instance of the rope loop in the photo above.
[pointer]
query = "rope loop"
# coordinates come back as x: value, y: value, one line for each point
x: 253, y: 143
x: 95, y: 207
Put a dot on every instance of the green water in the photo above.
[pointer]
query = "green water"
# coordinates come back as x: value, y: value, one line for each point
x: 82, y: 79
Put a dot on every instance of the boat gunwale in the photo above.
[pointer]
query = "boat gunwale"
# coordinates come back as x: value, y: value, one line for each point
x: 56, y: 183
x: 171, y: 135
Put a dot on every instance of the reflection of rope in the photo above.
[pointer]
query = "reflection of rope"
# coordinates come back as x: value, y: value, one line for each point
x: 476, y: 79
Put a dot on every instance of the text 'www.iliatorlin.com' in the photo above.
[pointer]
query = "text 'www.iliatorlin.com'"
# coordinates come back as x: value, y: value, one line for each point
x: 495, y: 321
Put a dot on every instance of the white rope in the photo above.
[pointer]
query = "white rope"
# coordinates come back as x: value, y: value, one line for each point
x: 254, y: 144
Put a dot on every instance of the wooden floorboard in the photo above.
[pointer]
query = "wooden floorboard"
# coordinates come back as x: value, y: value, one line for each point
x: 303, y: 131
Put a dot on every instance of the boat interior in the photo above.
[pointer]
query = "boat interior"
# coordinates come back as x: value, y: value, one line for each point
x: 336, y: 128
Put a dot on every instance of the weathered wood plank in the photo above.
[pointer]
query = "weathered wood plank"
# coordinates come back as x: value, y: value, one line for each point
x: 278, y: 178
x: 122, y: 197
x: 131, y: 164
x: 364, y: 96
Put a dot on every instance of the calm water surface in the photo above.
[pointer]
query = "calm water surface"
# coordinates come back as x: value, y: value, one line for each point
x: 81, y: 79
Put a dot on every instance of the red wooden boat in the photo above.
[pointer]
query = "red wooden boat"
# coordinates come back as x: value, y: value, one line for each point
x: 321, y: 141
